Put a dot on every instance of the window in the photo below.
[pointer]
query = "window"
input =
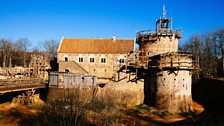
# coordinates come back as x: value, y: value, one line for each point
x: 80, y: 59
x: 121, y: 60
x: 66, y: 58
x: 91, y: 60
x: 103, y: 60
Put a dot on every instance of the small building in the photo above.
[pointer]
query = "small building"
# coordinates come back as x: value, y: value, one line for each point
x: 97, y: 56
x: 71, y: 80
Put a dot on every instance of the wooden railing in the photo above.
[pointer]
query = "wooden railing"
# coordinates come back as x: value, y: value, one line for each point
x: 21, y: 84
x: 174, y: 59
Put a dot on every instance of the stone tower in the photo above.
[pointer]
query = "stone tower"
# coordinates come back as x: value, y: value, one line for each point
x: 167, y: 82
x: 162, y: 41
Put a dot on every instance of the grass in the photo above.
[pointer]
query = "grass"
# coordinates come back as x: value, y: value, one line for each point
x: 1, y: 116
x: 188, y: 114
x: 140, y: 109
x: 75, y: 107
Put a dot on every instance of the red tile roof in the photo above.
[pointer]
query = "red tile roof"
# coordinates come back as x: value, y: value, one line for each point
x: 95, y: 45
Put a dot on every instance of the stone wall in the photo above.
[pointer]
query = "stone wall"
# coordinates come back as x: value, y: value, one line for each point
x: 168, y: 82
x: 169, y: 91
x: 103, y: 70
x: 71, y: 66
x: 162, y: 45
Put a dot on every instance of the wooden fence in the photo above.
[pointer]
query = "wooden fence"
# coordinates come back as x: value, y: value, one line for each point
x: 71, y: 80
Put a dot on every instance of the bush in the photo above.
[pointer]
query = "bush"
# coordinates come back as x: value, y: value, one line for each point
x: 74, y: 107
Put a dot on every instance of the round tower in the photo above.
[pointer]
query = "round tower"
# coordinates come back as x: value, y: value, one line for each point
x: 167, y: 82
x: 163, y: 40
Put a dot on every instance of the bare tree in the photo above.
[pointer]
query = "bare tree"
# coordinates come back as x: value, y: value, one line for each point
x: 50, y: 47
x: 209, y: 48
x: 21, y: 46
x: 220, y: 43
x: 6, y: 52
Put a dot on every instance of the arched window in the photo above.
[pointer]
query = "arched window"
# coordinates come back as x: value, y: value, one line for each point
x: 66, y: 58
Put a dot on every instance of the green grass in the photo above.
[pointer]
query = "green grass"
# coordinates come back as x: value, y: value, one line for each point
x: 142, y: 109
x: 139, y: 109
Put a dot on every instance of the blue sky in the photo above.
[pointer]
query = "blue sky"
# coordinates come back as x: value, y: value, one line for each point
x: 40, y: 20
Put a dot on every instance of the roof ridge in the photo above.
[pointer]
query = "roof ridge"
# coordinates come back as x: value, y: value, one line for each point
x: 103, y: 38
x: 77, y: 45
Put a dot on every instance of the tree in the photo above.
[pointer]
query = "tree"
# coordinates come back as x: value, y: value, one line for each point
x: 209, y: 49
x: 6, y: 52
x: 220, y: 44
x: 21, y: 46
x: 50, y: 47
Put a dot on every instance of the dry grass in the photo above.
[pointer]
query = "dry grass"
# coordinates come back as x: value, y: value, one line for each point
x: 74, y: 107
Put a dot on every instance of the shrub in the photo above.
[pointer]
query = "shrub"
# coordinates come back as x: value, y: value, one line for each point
x: 74, y: 107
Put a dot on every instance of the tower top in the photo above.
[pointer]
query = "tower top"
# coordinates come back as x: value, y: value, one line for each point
x: 164, y: 11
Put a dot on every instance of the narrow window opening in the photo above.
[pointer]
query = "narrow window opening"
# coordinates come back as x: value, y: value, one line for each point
x: 91, y: 60
x: 66, y: 58
x: 103, y: 60
x: 80, y: 59
x: 121, y: 60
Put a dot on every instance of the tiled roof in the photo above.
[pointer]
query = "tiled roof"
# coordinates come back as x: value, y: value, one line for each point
x: 95, y: 45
